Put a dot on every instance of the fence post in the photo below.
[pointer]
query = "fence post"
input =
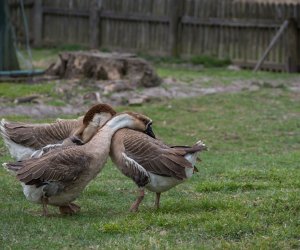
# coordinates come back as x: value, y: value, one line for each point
x: 38, y: 23
x: 292, y: 47
x: 175, y: 8
x: 94, y: 23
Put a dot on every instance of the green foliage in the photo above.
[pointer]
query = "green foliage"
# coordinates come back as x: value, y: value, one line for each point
x: 209, y: 61
x: 14, y: 90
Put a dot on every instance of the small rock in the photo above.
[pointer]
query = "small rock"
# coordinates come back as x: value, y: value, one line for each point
x: 117, y: 86
x: 170, y: 80
x: 32, y: 98
x: 137, y: 101
x: 95, y: 96
x: 233, y: 68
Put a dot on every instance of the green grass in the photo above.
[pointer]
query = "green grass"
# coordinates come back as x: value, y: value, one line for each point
x: 206, y: 61
x: 221, y: 76
x: 14, y: 90
x: 245, y: 196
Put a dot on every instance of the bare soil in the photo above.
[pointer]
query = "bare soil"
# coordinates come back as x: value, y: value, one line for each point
x: 78, y: 95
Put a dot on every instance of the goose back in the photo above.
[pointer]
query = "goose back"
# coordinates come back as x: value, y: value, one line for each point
x: 36, y: 136
x: 153, y: 155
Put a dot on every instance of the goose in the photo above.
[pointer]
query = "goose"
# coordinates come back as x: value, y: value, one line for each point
x: 94, y: 119
x: 59, y: 176
x: 151, y: 164
x: 24, y: 139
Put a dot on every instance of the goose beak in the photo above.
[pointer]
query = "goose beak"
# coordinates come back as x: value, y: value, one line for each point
x: 149, y: 131
x: 76, y: 140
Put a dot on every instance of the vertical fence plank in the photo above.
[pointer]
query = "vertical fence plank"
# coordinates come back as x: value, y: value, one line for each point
x: 94, y: 24
x: 175, y: 8
x: 292, y: 47
x: 38, y: 23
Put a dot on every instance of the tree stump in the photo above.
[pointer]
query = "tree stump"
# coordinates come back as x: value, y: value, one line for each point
x: 105, y: 66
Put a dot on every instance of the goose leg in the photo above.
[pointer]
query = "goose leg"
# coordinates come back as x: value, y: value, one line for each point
x: 75, y: 207
x: 69, y: 209
x: 135, y: 205
x: 45, y: 207
x: 157, y: 200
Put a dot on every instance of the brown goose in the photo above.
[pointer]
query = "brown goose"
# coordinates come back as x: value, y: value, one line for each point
x: 151, y: 164
x: 59, y: 176
x: 23, y: 139
x: 94, y: 119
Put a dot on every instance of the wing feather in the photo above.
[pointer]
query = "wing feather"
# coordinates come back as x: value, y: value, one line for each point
x: 59, y: 165
x: 39, y: 135
x: 153, y: 155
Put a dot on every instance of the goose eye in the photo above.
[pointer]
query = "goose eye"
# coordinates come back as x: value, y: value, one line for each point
x: 76, y: 140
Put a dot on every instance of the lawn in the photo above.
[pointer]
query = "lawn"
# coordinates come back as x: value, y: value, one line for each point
x: 245, y: 196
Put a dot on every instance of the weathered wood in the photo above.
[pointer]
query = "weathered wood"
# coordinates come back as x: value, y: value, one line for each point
x: 292, y: 47
x: 175, y: 7
x: 105, y: 66
x: 65, y: 12
x: 94, y: 24
x: 234, y: 22
x: 38, y: 24
x: 272, y: 43
x: 134, y: 17
x: 31, y: 98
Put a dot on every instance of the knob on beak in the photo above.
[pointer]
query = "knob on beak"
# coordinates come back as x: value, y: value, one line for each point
x: 149, y: 131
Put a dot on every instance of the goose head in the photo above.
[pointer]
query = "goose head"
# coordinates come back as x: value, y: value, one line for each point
x: 95, y: 118
x: 132, y: 120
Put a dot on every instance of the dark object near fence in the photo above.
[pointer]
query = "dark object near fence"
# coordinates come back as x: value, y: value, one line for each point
x: 105, y: 66
x: 8, y: 57
x: 240, y: 30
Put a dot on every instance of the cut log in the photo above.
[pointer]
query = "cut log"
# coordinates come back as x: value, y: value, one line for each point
x: 105, y: 66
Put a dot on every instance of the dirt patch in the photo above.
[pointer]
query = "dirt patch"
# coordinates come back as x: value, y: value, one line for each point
x: 41, y: 110
x: 78, y: 95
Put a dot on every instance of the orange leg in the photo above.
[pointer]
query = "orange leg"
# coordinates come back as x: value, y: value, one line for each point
x: 135, y: 205
x: 45, y: 207
x: 69, y: 209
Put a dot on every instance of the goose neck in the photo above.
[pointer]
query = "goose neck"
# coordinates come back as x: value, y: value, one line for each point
x: 118, y: 122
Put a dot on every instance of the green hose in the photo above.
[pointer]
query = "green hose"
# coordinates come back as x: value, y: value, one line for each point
x: 16, y: 73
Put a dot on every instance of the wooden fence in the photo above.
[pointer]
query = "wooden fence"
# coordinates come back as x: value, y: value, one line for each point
x: 238, y: 30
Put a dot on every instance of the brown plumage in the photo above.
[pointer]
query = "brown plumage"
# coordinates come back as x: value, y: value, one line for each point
x: 59, y: 176
x: 37, y: 136
x: 22, y: 139
x: 54, y: 167
x: 98, y: 108
x: 150, y: 163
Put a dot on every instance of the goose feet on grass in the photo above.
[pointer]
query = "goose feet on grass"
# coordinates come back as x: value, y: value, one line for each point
x: 135, y: 205
x: 70, y: 209
x: 45, y: 207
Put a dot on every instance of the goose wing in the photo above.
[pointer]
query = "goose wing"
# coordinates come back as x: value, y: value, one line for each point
x: 58, y: 165
x: 153, y: 155
x: 39, y: 135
